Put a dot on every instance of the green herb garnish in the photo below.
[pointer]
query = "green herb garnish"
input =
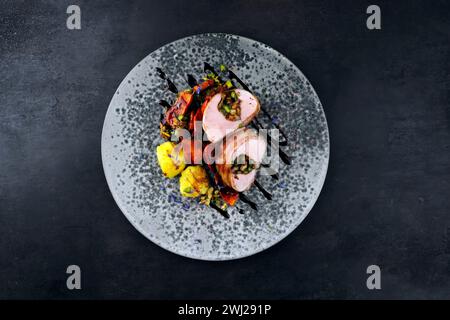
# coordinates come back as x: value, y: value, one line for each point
x: 229, y: 84
x: 223, y: 68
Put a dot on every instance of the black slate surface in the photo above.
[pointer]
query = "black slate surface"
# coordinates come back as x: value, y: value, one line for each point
x: 385, y: 200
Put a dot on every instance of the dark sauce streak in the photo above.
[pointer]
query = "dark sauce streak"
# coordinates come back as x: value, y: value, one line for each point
x: 241, y: 211
x: 263, y: 191
x: 191, y: 80
x: 172, y: 88
x: 224, y: 213
x: 161, y: 73
x: 164, y: 103
x: 170, y: 84
x: 232, y: 75
x: 285, y: 158
x: 246, y: 200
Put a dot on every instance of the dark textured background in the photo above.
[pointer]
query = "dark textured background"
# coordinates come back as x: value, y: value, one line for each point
x: 385, y: 201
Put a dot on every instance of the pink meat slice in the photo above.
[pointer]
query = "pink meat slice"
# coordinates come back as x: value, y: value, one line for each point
x: 216, y: 126
x: 243, y: 141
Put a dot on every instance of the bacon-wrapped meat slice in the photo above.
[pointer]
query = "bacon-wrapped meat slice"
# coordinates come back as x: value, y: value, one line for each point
x: 240, y: 155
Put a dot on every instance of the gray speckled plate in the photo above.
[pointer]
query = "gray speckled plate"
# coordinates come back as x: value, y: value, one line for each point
x: 153, y: 204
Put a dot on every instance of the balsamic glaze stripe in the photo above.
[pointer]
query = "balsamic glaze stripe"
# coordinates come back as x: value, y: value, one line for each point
x: 164, y: 103
x: 263, y: 191
x: 161, y: 73
x: 191, y: 80
x: 171, y: 86
x: 224, y: 213
x: 246, y: 200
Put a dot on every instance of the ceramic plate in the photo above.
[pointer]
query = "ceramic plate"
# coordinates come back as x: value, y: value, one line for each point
x: 153, y: 203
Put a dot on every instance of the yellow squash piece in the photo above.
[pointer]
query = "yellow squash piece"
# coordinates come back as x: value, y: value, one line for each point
x: 194, y: 182
x: 170, y: 159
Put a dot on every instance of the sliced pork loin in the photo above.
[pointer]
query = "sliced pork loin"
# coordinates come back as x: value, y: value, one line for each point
x: 242, y: 144
x: 216, y: 125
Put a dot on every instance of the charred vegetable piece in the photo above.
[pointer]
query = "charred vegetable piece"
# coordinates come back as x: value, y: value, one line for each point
x: 170, y: 159
x: 177, y: 115
x: 194, y: 182
x: 203, y: 86
x: 229, y: 196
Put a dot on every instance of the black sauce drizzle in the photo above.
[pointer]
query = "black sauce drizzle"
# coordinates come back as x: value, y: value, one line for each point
x: 191, y: 80
x: 245, y: 199
x: 171, y: 86
x: 161, y: 73
x: 164, y: 103
x: 224, y: 213
x: 263, y: 191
